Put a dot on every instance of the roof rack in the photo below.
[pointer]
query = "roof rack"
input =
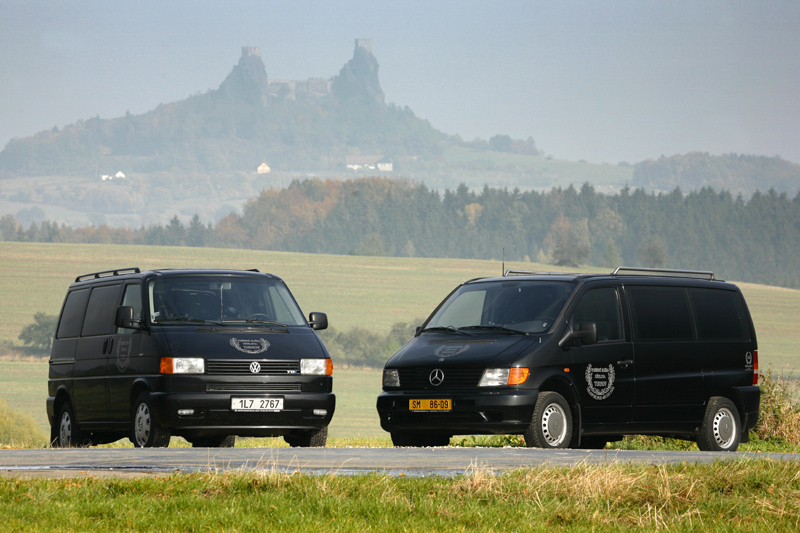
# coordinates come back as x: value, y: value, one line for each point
x: 107, y: 273
x: 699, y: 274
x: 533, y: 273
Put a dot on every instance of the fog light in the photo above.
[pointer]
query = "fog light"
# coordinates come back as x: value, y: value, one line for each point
x: 320, y: 412
x: 185, y: 412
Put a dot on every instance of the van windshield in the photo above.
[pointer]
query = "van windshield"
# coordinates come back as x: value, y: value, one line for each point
x: 222, y: 300
x: 515, y: 306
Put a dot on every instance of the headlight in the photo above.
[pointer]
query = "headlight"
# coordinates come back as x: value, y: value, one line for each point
x: 316, y: 367
x: 391, y: 378
x: 494, y: 377
x: 500, y: 377
x: 183, y: 365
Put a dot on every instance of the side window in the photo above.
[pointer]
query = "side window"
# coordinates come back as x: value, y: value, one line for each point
x: 72, y: 315
x: 133, y: 298
x: 661, y: 314
x: 719, y: 315
x: 600, y: 306
x: 103, y: 304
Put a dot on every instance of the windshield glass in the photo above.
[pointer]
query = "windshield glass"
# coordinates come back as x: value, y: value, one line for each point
x: 222, y: 299
x: 521, y: 306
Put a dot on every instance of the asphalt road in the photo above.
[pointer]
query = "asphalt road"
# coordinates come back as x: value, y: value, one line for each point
x: 345, y: 461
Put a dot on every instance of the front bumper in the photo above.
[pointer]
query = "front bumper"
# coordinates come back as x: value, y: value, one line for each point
x: 474, y: 413
x: 213, y: 415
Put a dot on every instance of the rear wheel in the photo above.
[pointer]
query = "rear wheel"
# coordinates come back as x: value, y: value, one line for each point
x: 218, y: 441
x: 145, y: 431
x: 551, y: 426
x: 65, y: 429
x: 720, y: 429
x: 315, y: 438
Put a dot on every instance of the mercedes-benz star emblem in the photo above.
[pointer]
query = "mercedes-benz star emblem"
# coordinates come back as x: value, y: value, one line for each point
x: 255, y: 368
x: 436, y: 377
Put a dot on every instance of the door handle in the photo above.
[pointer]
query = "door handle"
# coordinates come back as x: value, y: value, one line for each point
x: 108, y: 346
x: 625, y: 363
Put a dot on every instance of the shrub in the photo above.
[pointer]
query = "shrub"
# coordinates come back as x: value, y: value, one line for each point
x: 18, y: 429
x: 779, y: 415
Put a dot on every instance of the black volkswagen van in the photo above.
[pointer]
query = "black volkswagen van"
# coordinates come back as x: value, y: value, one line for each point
x: 203, y: 354
x: 578, y: 360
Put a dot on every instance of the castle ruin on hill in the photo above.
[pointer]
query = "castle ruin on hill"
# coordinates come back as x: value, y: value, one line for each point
x: 303, y: 90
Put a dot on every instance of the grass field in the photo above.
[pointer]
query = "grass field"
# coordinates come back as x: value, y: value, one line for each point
x: 756, y: 495
x: 370, y: 292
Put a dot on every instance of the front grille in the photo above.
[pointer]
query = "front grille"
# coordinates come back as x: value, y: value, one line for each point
x: 454, y: 378
x: 232, y: 367
x: 253, y: 387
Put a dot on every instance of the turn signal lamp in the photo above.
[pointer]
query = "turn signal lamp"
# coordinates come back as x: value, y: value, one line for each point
x: 518, y: 376
x: 182, y: 365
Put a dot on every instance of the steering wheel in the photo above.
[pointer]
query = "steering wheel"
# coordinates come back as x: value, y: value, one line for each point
x: 259, y: 316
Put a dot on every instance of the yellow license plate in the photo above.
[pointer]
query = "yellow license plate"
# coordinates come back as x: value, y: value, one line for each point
x: 430, y: 405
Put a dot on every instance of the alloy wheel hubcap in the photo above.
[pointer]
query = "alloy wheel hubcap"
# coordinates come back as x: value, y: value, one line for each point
x: 554, y: 427
x: 724, y: 428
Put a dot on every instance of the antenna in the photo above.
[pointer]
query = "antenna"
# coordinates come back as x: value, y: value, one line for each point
x: 504, y: 261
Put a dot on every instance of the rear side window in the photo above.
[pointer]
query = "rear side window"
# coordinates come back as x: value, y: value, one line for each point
x: 72, y: 316
x: 103, y: 303
x: 661, y: 314
x: 719, y: 315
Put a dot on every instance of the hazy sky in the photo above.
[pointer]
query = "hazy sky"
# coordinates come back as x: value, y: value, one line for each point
x: 604, y: 81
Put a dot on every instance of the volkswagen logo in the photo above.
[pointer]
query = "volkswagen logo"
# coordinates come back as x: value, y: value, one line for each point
x: 436, y: 377
x: 255, y: 367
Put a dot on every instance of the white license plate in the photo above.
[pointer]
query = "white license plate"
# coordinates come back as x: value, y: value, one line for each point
x: 263, y: 405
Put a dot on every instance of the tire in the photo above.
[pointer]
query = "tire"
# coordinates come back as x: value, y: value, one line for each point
x: 219, y: 441
x: 721, y: 428
x: 315, y: 438
x: 419, y: 440
x: 145, y: 431
x: 551, y: 426
x: 65, y: 430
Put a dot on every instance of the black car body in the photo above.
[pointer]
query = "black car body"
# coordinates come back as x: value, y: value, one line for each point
x: 577, y: 360
x: 202, y: 354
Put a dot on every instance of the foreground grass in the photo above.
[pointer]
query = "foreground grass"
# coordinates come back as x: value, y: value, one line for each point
x: 732, y: 495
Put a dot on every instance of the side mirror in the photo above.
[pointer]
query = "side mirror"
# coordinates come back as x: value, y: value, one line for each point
x: 587, y: 333
x: 124, y: 318
x: 318, y: 321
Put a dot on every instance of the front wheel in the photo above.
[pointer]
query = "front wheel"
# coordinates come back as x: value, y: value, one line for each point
x: 551, y: 426
x: 145, y: 431
x: 720, y: 429
x: 315, y: 438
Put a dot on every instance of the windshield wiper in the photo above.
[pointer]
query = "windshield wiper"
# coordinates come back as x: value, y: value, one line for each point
x: 186, y: 320
x: 255, y: 321
x: 446, y: 329
x: 499, y: 328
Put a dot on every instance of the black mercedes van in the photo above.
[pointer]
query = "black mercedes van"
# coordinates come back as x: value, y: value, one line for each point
x: 202, y: 354
x: 578, y: 360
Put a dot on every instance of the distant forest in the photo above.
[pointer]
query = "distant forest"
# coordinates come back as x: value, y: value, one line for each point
x: 754, y: 239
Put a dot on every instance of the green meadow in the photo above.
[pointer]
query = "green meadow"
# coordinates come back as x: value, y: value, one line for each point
x: 356, y: 291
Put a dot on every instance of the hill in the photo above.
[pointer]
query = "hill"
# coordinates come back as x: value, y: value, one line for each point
x: 313, y: 124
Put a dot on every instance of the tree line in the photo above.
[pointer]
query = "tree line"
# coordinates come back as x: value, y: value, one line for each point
x: 754, y: 239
